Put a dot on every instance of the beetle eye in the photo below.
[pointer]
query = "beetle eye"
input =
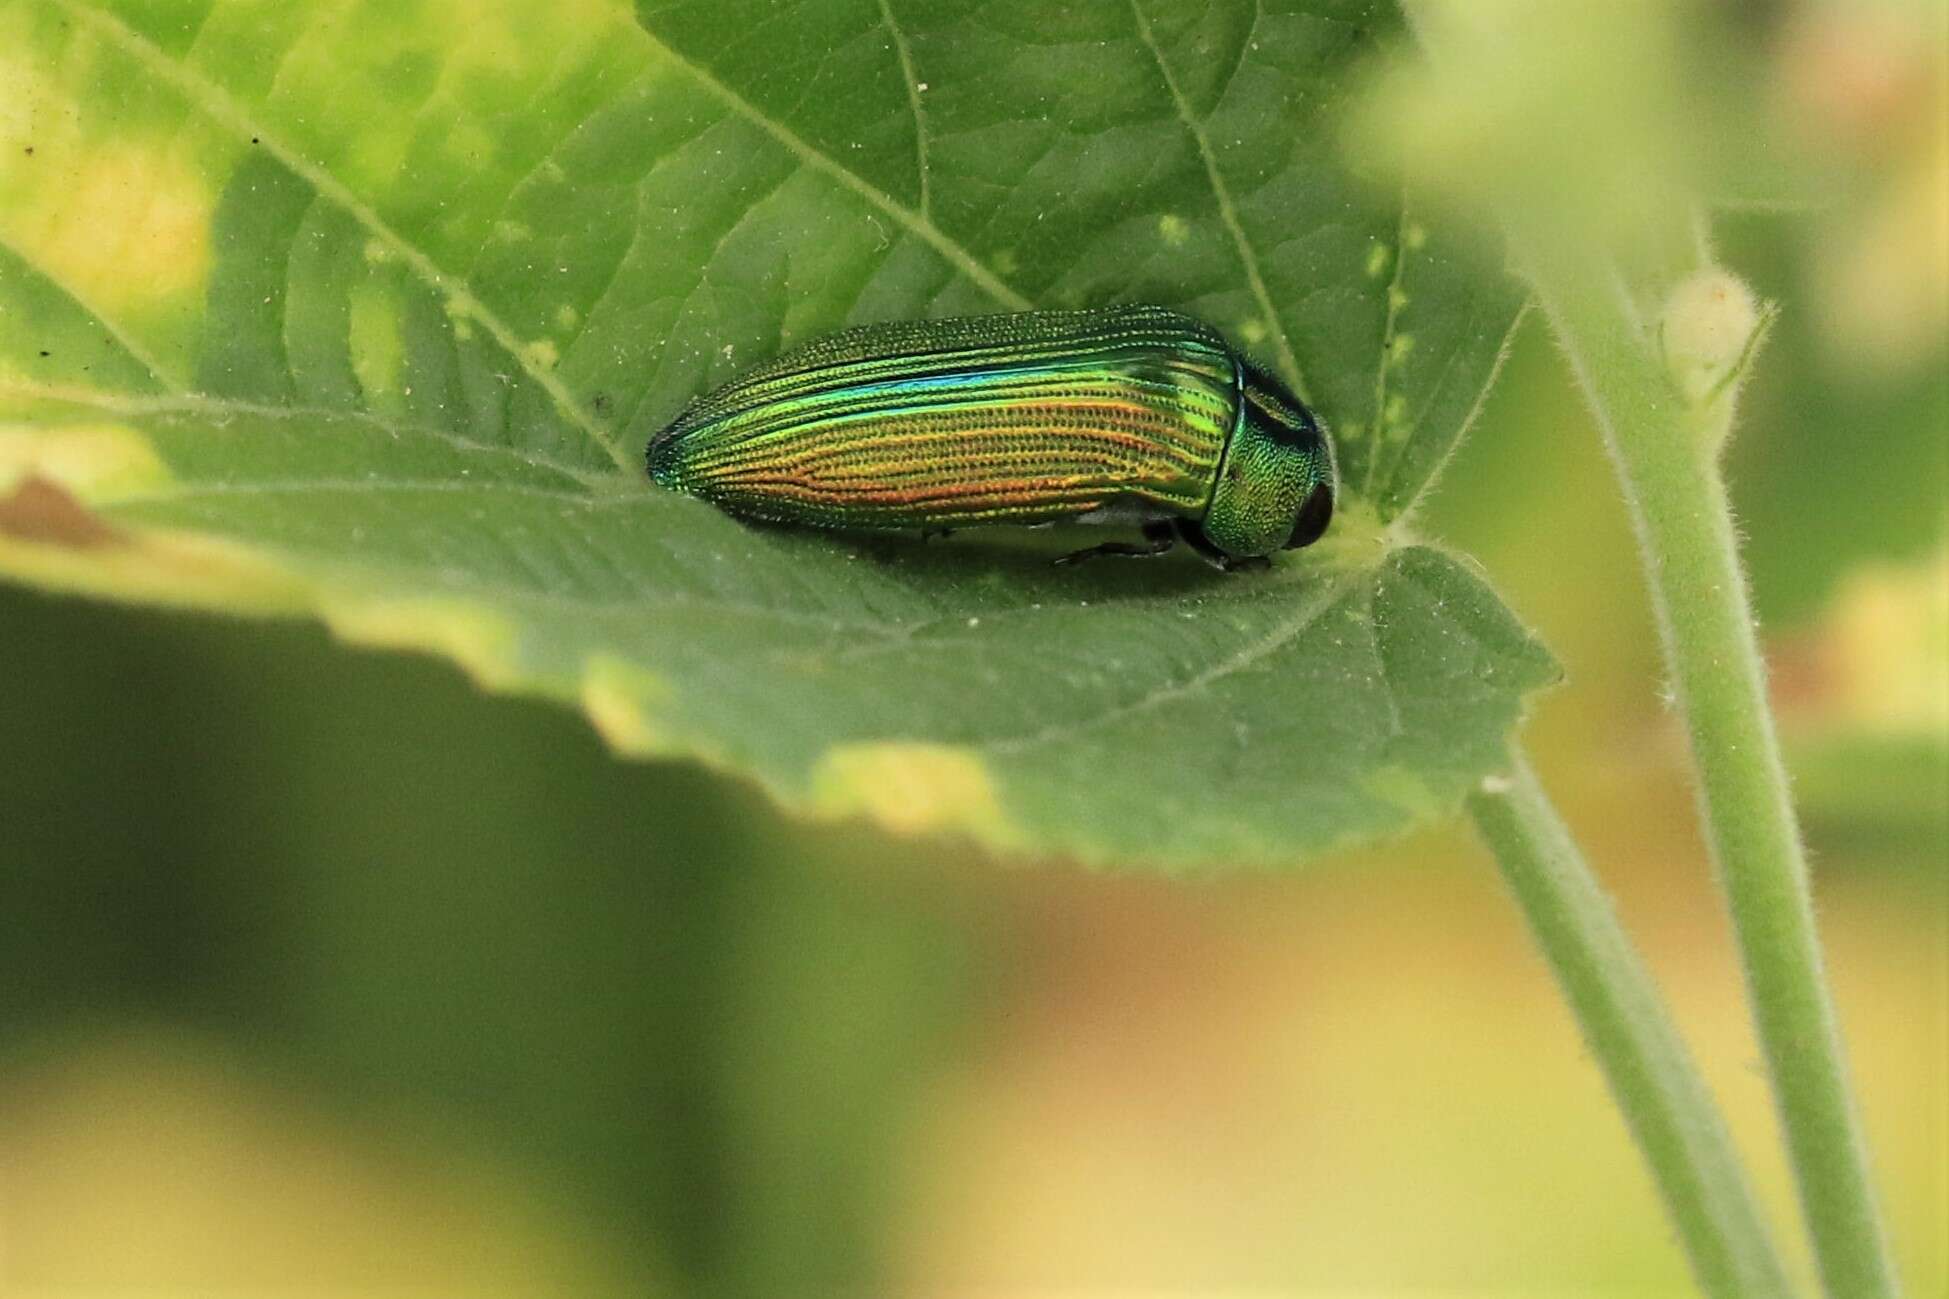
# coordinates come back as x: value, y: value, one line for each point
x: 1310, y: 523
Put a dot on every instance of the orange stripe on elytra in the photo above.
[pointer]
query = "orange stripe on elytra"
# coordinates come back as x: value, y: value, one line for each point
x: 1061, y: 441
x: 1092, y: 415
x: 1028, y: 490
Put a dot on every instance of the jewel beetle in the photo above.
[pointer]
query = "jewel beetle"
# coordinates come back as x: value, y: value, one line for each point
x: 1131, y: 414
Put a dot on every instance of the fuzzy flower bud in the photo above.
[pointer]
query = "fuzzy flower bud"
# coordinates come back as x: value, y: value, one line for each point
x: 1708, y: 329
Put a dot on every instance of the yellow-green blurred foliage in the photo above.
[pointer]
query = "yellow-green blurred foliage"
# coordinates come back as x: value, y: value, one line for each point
x: 323, y: 972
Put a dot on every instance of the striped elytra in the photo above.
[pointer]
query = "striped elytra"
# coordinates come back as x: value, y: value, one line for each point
x: 1128, y: 414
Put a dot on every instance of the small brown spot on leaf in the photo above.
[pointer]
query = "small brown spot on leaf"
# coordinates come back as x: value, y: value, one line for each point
x: 43, y: 511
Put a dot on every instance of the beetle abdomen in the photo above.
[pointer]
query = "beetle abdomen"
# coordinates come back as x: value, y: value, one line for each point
x: 1026, y: 418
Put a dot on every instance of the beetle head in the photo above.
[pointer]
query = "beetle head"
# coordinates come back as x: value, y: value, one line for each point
x: 1276, y: 481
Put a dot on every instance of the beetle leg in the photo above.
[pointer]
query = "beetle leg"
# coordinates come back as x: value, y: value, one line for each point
x: 1193, y: 536
x: 1159, y: 537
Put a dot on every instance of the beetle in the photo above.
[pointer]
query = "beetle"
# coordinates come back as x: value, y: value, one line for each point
x: 1131, y: 414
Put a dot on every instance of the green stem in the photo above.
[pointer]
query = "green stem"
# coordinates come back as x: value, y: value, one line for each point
x: 1658, y: 1087
x: 1664, y: 453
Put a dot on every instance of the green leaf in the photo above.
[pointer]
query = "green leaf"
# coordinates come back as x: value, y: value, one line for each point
x: 366, y: 312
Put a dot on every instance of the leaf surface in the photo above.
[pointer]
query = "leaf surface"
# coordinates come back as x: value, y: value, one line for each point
x: 366, y: 311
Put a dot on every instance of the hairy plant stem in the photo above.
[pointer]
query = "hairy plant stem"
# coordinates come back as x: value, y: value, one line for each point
x: 1664, y: 450
x: 1657, y: 1085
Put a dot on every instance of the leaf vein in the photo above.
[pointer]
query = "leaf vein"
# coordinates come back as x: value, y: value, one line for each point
x: 1227, y: 208
x: 948, y: 247
x: 123, y: 339
x: 908, y: 75
x: 1396, y: 295
x: 357, y: 486
x: 1428, y: 481
x: 228, y: 407
x: 1271, y: 643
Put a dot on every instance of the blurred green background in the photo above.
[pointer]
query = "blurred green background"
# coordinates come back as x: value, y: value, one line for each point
x: 323, y: 968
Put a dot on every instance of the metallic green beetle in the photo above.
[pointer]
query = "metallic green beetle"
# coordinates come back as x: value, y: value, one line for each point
x: 1122, y: 414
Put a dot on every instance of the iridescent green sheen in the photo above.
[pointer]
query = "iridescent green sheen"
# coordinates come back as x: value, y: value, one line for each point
x: 1131, y: 414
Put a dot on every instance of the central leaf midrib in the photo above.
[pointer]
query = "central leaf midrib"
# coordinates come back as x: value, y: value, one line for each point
x: 605, y: 609
x: 139, y: 405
